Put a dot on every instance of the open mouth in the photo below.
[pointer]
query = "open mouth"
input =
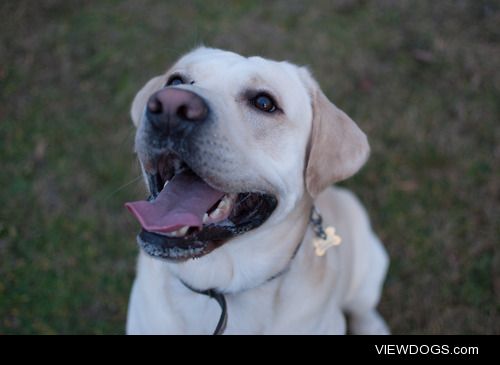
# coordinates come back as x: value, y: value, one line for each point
x: 187, y: 218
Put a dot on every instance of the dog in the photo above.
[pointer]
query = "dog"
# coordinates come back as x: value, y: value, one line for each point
x: 241, y: 231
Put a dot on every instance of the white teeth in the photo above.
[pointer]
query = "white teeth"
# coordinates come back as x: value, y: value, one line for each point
x: 205, y: 218
x: 222, y: 209
x: 181, y: 232
x: 223, y: 204
x: 217, y: 213
x: 166, y: 182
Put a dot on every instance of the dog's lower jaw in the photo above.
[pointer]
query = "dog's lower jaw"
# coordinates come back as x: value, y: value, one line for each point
x: 263, y: 256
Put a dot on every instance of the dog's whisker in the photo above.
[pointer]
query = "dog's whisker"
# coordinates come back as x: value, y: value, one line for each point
x: 134, y: 180
x: 128, y: 136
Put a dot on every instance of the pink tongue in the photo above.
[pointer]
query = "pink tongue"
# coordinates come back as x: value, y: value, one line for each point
x: 183, y: 202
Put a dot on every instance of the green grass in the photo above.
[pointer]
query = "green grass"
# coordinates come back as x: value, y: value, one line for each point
x: 421, y: 78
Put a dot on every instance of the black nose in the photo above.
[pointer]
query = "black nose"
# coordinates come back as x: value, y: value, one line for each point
x: 171, y: 108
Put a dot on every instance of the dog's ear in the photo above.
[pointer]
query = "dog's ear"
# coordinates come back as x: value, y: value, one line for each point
x: 142, y: 96
x: 337, y: 147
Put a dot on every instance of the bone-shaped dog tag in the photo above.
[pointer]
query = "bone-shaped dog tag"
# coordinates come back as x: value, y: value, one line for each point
x: 332, y: 239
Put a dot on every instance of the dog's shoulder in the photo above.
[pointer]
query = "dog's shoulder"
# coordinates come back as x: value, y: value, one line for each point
x: 341, y: 207
x: 343, y: 210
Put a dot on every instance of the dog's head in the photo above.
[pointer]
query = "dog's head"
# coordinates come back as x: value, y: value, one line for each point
x: 228, y: 143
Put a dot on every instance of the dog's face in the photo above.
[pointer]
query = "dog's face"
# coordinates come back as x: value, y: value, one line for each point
x: 228, y: 143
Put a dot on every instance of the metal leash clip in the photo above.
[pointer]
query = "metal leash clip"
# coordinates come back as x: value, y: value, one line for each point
x: 325, y: 238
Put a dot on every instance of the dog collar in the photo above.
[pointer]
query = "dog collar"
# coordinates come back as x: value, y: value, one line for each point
x: 323, y: 239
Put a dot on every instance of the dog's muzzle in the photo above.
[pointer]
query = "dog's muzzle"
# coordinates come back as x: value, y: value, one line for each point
x: 186, y: 216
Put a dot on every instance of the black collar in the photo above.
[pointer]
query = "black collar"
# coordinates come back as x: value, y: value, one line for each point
x: 316, y: 221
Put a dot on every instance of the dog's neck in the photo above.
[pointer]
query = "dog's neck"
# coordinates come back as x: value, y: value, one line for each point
x: 250, y: 260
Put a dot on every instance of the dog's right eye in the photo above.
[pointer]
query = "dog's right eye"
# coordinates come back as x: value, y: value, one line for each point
x: 264, y: 102
x: 174, y: 80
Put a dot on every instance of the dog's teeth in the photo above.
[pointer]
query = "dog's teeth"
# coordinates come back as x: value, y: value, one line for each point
x: 182, y: 231
x: 224, y: 206
x: 219, y: 212
x: 166, y: 182
x: 224, y: 203
x: 216, y: 213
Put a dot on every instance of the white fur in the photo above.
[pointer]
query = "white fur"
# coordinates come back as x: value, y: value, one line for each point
x: 316, y: 293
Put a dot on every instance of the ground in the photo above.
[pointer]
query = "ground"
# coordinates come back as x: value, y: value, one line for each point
x: 420, y: 77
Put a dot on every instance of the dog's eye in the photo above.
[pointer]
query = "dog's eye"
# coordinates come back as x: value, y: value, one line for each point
x: 174, y: 80
x: 264, y: 102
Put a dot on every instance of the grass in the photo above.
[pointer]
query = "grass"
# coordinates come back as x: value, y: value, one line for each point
x: 421, y: 78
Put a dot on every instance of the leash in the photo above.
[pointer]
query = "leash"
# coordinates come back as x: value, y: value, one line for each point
x: 325, y: 239
x: 221, y: 300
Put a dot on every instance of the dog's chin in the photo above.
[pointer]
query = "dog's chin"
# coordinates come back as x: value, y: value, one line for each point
x: 232, y: 215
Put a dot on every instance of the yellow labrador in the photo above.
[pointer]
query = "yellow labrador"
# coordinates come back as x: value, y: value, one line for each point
x: 240, y: 233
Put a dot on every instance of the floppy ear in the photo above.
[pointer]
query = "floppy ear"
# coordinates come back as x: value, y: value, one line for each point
x: 142, y: 96
x: 337, y: 147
